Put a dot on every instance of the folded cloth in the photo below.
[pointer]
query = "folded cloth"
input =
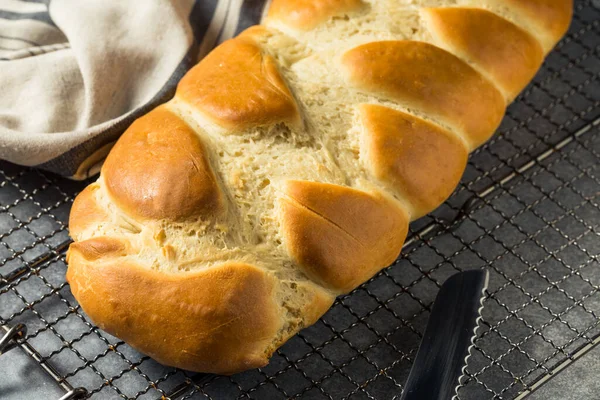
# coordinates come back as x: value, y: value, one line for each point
x: 74, y: 74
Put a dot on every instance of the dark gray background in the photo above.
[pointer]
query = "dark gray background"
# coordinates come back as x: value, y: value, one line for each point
x: 534, y: 226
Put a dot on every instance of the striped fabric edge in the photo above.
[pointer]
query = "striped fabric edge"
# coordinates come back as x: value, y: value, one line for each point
x: 211, y: 24
x: 23, y: 10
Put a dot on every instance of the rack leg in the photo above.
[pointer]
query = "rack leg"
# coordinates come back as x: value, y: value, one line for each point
x: 75, y: 394
x: 16, y: 332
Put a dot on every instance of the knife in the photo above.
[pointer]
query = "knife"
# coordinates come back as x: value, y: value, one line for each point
x: 448, y: 338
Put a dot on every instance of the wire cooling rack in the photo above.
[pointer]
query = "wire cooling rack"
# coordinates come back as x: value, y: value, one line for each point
x: 527, y: 210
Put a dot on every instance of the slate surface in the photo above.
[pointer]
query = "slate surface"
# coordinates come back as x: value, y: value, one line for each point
x: 537, y: 233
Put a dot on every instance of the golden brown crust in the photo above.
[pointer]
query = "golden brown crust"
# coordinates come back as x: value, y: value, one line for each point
x: 237, y: 86
x: 428, y: 79
x: 85, y: 212
x: 222, y: 319
x: 340, y: 236
x: 551, y: 16
x: 157, y: 271
x: 548, y: 20
x: 421, y: 161
x: 509, y: 55
x: 307, y: 14
x: 100, y: 247
x: 159, y: 170
x: 255, y: 34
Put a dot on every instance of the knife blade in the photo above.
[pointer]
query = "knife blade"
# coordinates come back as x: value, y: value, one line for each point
x: 442, y: 355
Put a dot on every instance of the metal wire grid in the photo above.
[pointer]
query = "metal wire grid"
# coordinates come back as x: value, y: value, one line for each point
x: 527, y: 210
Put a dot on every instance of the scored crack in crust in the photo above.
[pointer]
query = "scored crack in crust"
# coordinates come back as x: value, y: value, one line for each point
x: 288, y: 165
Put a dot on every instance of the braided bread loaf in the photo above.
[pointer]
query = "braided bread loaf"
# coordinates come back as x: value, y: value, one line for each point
x: 288, y: 165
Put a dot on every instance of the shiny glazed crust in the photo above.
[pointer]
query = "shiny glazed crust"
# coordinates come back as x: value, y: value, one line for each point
x: 306, y: 14
x: 287, y: 167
